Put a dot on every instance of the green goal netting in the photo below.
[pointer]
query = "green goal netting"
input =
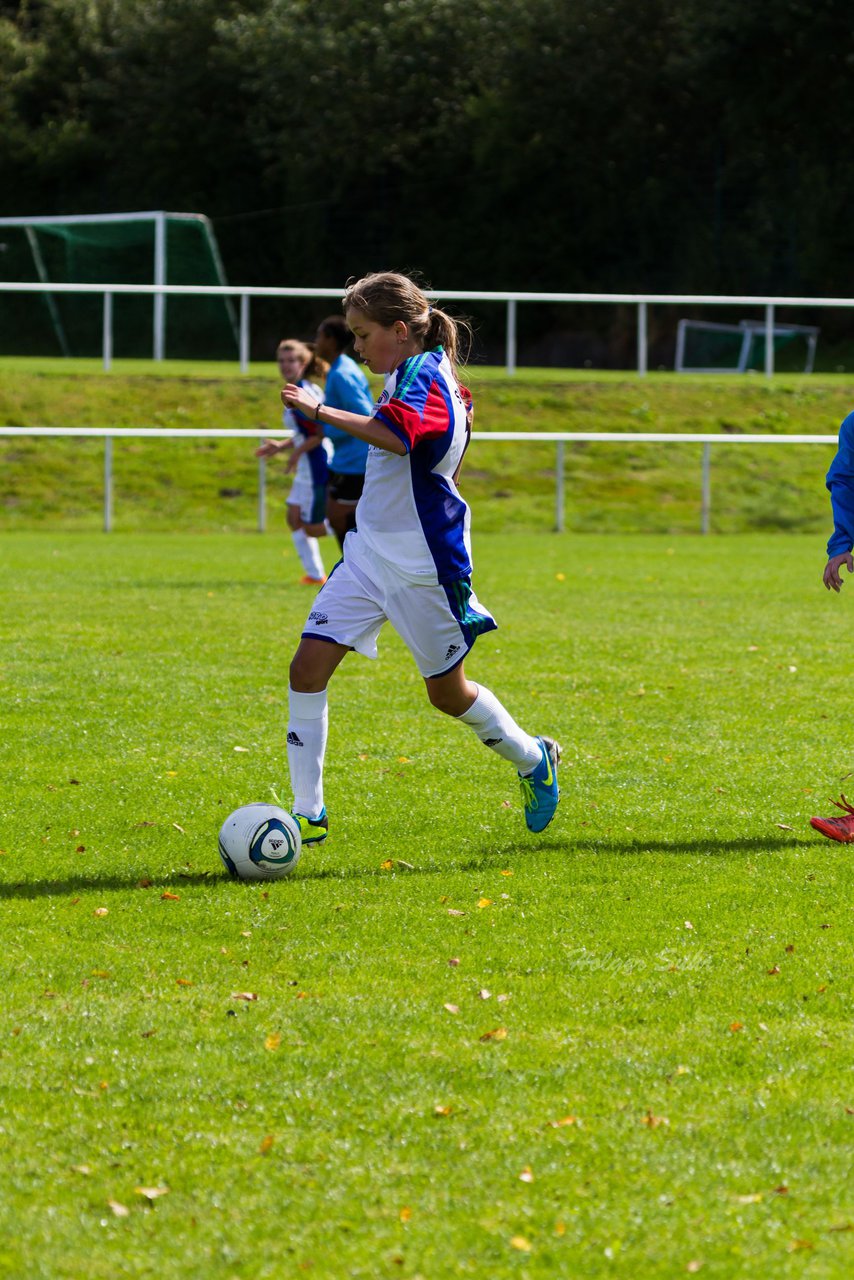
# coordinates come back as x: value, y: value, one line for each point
x: 703, y: 347
x: 133, y: 248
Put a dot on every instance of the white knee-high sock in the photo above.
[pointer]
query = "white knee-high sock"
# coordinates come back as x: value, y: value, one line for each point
x: 309, y: 553
x: 497, y: 730
x: 307, y: 726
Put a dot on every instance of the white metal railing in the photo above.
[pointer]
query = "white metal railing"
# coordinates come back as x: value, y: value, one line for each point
x: 510, y: 298
x: 558, y: 438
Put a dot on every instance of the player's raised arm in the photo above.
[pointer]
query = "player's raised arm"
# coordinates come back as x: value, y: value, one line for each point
x: 363, y: 427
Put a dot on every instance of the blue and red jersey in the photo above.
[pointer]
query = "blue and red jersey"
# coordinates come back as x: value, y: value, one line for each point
x: 411, y: 512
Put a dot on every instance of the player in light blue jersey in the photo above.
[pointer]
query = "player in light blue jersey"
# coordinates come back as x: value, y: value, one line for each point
x: 346, y: 388
x: 408, y: 561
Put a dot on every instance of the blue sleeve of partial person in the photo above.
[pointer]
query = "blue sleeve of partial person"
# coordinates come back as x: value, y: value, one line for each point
x: 840, y: 482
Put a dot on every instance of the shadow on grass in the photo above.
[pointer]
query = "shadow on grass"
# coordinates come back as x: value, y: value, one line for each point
x: 490, y: 857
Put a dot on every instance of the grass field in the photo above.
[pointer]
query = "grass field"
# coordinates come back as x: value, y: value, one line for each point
x: 620, y: 1048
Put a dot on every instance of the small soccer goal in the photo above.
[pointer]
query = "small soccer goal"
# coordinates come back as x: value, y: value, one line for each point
x: 154, y: 247
x: 704, y: 347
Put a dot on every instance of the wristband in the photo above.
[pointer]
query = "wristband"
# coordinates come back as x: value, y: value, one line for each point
x: 317, y: 410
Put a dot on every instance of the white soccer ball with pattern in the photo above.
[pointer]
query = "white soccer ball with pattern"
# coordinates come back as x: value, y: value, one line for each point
x: 260, y: 842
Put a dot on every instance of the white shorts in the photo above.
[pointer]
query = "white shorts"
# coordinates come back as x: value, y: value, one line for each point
x: 310, y: 498
x: 438, y: 623
x: 305, y: 493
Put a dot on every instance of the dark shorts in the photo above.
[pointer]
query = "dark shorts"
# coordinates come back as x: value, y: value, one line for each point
x: 345, y: 488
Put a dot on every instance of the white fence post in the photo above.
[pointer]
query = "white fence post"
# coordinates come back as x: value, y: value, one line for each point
x: 107, y: 342
x: 262, y: 495
x: 769, y: 341
x: 559, y: 488
x: 642, y: 341
x: 108, y: 483
x: 706, y: 500
x: 511, y: 337
x: 244, y: 332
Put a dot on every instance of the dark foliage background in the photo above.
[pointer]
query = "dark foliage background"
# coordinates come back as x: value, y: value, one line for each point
x: 550, y: 144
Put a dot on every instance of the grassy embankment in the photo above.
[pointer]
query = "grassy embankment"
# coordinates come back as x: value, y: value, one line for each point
x: 207, y: 486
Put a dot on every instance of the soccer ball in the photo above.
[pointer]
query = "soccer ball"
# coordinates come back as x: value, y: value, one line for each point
x: 260, y: 842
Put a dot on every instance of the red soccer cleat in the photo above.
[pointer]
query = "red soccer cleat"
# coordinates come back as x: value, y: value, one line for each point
x: 841, y: 829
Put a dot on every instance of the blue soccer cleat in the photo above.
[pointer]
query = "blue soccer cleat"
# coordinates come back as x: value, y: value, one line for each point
x: 540, y: 792
x: 313, y: 830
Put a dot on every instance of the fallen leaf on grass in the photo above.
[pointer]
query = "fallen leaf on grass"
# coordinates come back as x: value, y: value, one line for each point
x: 81, y: 848
x: 784, y: 826
x: 146, y: 1034
x: 694, y: 1266
x: 183, y: 982
x: 101, y: 911
x: 653, y: 1122
x: 81, y: 1168
x: 387, y: 865
x: 498, y: 1033
x: 179, y: 828
x: 439, y: 1110
x: 120, y: 1210
x: 520, y: 1243
x: 754, y: 1198
x: 484, y: 902
x: 775, y: 970
x: 484, y: 994
x: 151, y: 1193
x: 266, y: 1144
x: 527, y: 1174
x: 736, y: 1026
x: 505, y: 873
x: 170, y: 897
x: 451, y: 1008
x: 405, y: 1213
x: 453, y: 912
x: 454, y: 961
x: 800, y: 1244
x: 272, y: 1041
x: 244, y: 995
x: 782, y: 1190
x: 559, y: 1124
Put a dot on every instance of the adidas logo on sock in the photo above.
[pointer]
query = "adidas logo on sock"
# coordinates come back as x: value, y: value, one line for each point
x: 294, y: 740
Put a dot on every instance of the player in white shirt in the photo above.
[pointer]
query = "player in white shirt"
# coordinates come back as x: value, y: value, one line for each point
x: 409, y: 560
x: 309, y: 460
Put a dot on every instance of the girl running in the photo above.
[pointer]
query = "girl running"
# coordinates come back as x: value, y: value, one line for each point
x: 408, y: 561
x: 306, y: 504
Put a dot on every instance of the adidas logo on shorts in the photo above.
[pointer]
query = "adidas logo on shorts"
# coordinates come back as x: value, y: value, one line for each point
x: 452, y: 649
x: 294, y: 740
